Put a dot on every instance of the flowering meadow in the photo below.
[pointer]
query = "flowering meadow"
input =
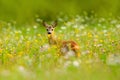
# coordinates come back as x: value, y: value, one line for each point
x: 26, y: 55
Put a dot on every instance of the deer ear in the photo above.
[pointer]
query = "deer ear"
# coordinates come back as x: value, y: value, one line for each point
x: 55, y: 24
x: 44, y: 24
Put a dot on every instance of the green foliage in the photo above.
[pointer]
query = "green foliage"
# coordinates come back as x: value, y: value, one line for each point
x: 27, y: 10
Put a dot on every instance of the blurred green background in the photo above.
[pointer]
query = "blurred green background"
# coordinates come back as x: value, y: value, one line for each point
x: 27, y: 10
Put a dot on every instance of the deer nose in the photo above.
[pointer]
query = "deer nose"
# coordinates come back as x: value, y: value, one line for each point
x: 49, y: 32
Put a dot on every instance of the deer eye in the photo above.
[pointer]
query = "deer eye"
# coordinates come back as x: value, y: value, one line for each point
x: 47, y: 29
x: 52, y: 29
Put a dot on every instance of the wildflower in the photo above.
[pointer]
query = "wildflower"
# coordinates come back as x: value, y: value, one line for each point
x: 39, y: 35
x: 113, y: 59
x: 63, y: 27
x: 118, y: 25
x: 28, y: 44
x: 54, y: 46
x: 103, y: 50
x: 68, y: 24
x: 105, y: 31
x: 108, y: 34
x: 99, y: 24
x: 101, y: 41
x: 9, y: 24
x: 75, y: 26
x: 36, y: 40
x: 67, y: 63
x: 89, y: 35
x: 81, y: 27
x: 113, y: 22
x: 16, y: 32
x: 102, y: 20
x: 58, y: 55
x: 21, y: 53
x: 95, y: 40
x: 17, y: 38
x: 0, y: 50
x: 76, y: 31
x: 44, y: 47
x: 38, y: 20
x: 77, y: 35
x: 35, y: 27
x: 10, y: 55
x: 60, y: 31
x: 48, y: 55
x: 86, y: 52
x: 76, y: 63
x: 69, y: 54
x: 99, y: 45
x: 22, y: 70
x: 28, y: 29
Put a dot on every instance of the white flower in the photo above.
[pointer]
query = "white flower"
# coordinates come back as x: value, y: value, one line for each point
x: 105, y: 31
x: 38, y: 20
x: 48, y: 55
x: 75, y: 26
x: 81, y: 27
x: 67, y: 63
x: 113, y: 59
x: 77, y: 35
x: 76, y: 63
x: 60, y: 31
x: 84, y: 33
x: 9, y: 24
x: 60, y: 19
x: 35, y: 27
x: 102, y: 20
x: 113, y: 22
x: 68, y: 23
x: 99, y: 45
x: 85, y: 52
x: 22, y: 69
x: 44, y: 47
x: 28, y: 29
x: 69, y: 54
x: 118, y: 25
x: 63, y: 27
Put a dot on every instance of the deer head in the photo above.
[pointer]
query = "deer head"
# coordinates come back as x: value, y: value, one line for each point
x: 50, y: 28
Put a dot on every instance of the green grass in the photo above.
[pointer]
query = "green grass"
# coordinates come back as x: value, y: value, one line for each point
x: 21, y: 56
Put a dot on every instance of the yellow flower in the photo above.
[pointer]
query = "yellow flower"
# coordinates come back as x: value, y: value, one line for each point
x: 101, y: 41
x: 39, y: 35
x: 16, y: 38
x: 48, y: 35
x: 89, y: 35
x: 0, y: 42
x: 36, y: 40
x: 110, y: 40
x: 10, y: 55
x: 21, y: 53
x: 54, y: 46
x: 76, y: 31
x: 96, y: 36
x: 16, y: 32
x: 57, y: 55
x: 27, y: 44
x: 0, y: 50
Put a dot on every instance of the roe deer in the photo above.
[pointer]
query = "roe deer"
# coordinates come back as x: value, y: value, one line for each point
x: 63, y: 46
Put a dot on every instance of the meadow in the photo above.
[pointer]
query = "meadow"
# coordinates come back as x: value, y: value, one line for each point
x: 26, y: 55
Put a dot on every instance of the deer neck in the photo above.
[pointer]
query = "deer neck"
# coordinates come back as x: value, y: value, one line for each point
x: 51, y: 39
